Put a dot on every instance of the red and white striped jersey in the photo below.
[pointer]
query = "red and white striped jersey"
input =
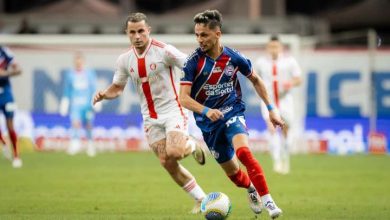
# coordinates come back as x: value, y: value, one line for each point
x: 277, y: 72
x: 153, y: 76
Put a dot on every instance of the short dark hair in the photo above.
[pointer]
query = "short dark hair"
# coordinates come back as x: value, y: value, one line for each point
x: 211, y: 18
x: 274, y: 37
x: 136, y: 17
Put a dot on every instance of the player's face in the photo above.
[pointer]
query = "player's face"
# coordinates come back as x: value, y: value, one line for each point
x: 206, y: 37
x: 138, y: 33
x: 79, y: 62
x: 274, y: 48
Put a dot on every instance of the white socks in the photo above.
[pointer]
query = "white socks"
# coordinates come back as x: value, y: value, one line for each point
x: 194, y: 190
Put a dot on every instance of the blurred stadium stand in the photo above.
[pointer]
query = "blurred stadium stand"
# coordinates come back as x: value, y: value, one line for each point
x: 320, y: 18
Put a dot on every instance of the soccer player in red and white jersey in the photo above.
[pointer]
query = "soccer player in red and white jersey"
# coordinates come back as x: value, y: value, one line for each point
x: 150, y: 65
x: 281, y: 73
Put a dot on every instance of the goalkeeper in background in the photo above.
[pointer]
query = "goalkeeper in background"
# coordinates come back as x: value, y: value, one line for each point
x: 79, y: 88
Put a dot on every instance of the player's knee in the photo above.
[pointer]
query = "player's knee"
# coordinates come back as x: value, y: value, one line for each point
x: 175, y: 152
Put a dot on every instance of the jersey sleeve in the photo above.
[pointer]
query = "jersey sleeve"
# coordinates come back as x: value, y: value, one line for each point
x: 8, y: 56
x: 189, y: 71
x: 174, y: 57
x: 244, y: 65
x: 295, y: 68
x: 121, y: 75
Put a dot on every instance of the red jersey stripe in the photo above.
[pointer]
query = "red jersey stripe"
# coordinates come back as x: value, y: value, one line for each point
x: 215, y: 76
x: 146, y: 87
x: 275, y: 84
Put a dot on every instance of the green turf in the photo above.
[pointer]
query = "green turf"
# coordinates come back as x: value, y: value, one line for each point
x: 134, y: 186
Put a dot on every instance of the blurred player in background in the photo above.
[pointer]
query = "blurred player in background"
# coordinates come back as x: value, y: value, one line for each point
x: 79, y: 88
x: 281, y: 74
x: 210, y: 88
x: 9, y: 68
x: 150, y: 65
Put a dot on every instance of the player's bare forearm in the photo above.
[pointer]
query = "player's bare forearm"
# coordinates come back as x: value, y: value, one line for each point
x: 13, y: 70
x: 259, y: 86
x: 296, y: 81
x: 187, y: 101
x: 112, y: 92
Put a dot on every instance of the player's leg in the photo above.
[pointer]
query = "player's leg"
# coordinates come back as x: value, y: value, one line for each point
x: 287, y: 114
x: 236, y: 133
x: 285, y: 152
x: 75, y: 130
x: 223, y: 153
x: 5, y: 149
x: 88, y: 121
x: 157, y: 141
x: 179, y: 143
x: 16, y: 162
x: 9, y: 119
x: 275, y: 145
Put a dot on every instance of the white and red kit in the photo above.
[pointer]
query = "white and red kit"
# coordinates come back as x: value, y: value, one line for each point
x: 157, y: 84
x: 276, y: 74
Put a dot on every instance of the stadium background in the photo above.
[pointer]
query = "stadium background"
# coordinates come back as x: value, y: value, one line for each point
x: 343, y: 49
x: 334, y: 104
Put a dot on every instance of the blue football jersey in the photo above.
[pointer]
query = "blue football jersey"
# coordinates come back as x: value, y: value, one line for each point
x: 80, y: 87
x: 215, y: 83
x: 5, y: 86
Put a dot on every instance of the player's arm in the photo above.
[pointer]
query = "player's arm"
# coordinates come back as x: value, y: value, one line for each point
x: 13, y: 70
x: 189, y: 103
x: 261, y: 90
x: 112, y: 92
x: 296, y: 73
x: 117, y: 86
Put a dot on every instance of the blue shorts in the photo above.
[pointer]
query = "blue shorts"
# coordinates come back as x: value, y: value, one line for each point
x: 83, y: 114
x: 220, y: 140
x: 8, y: 109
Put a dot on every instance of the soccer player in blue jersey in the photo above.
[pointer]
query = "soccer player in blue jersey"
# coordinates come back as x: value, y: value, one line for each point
x: 79, y: 89
x: 9, y: 68
x: 211, y: 90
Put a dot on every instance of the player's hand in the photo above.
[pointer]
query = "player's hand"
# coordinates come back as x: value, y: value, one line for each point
x: 214, y: 114
x: 287, y: 85
x: 99, y: 96
x: 275, y: 119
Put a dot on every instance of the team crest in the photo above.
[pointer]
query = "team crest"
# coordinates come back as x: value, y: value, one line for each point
x: 153, y: 66
x: 229, y: 70
x: 131, y: 70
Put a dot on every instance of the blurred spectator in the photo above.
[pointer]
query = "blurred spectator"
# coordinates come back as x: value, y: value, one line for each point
x: 26, y: 28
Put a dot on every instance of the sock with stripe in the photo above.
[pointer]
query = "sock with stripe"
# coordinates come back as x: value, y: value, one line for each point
x: 194, y: 190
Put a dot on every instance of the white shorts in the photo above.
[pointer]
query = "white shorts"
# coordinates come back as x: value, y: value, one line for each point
x: 157, y: 129
x: 286, y: 110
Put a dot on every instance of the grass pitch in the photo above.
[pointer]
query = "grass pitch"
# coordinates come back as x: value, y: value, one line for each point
x: 134, y: 186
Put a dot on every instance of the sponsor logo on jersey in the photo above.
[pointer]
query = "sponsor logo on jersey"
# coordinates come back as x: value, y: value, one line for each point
x: 153, y: 66
x: 229, y: 70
